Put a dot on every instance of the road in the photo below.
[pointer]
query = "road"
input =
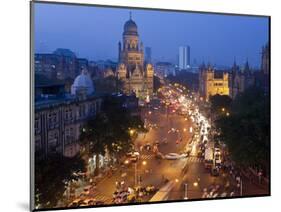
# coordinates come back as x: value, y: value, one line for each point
x: 166, y: 128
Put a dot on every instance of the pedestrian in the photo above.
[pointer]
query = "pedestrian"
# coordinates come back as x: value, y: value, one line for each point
x: 260, y: 176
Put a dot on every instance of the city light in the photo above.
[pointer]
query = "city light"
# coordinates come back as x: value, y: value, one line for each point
x: 143, y: 136
x: 132, y: 132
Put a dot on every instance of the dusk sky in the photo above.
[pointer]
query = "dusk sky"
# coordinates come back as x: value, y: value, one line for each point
x: 94, y: 32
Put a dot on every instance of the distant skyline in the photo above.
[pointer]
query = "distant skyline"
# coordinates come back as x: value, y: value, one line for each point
x: 94, y: 32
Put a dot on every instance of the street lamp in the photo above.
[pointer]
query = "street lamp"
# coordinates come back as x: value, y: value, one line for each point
x: 227, y: 114
x: 185, y: 191
x: 131, y: 132
x: 223, y: 109
x: 126, y: 162
x: 195, y: 184
x: 136, y: 170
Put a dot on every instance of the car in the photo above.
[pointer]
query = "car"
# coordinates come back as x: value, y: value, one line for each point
x: 132, y: 157
x: 175, y: 156
x: 147, y: 146
x: 217, y: 151
x: 156, y: 142
x: 159, y: 156
x: 76, y: 203
x: 133, y: 154
x: 90, y: 201
x: 215, y: 171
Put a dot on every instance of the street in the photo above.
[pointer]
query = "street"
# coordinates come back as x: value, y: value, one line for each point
x: 169, y: 132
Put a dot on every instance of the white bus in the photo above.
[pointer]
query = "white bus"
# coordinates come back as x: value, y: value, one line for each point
x: 163, y: 193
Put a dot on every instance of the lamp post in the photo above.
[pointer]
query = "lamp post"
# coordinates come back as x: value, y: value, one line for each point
x: 185, y: 191
x: 136, y: 171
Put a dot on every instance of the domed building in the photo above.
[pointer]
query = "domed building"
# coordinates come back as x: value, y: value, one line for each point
x: 132, y: 70
x: 82, y: 84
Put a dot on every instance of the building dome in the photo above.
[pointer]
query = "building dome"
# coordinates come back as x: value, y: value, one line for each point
x: 130, y: 28
x: 82, y: 84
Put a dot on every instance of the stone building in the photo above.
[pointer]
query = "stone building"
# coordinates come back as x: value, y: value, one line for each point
x: 61, y: 64
x: 132, y: 70
x: 59, y: 117
x: 240, y: 79
x: 212, y: 82
x: 265, y: 59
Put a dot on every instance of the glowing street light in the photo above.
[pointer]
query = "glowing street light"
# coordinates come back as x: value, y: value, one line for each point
x: 126, y: 162
x: 195, y: 184
x: 132, y: 132
x: 144, y: 163
x: 227, y: 114
x: 223, y: 109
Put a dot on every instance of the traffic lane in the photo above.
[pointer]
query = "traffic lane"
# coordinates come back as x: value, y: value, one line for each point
x: 197, y: 179
x: 161, y: 133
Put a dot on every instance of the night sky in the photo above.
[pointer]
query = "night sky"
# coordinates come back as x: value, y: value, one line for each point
x: 94, y: 32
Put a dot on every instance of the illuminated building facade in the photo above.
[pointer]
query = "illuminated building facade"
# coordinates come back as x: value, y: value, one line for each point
x: 213, y: 82
x: 132, y: 70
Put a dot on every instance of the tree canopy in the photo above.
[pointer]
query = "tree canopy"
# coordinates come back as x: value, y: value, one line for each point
x: 51, y: 175
x: 219, y: 102
x: 110, y: 130
x: 246, y: 131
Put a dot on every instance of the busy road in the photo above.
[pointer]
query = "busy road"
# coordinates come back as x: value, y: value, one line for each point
x: 175, y: 159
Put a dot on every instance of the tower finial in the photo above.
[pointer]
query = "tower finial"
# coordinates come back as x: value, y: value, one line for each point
x: 130, y: 15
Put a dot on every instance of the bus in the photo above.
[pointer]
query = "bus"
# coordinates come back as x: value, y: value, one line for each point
x: 163, y: 193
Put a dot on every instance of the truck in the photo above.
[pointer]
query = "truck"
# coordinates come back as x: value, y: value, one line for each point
x: 209, y: 158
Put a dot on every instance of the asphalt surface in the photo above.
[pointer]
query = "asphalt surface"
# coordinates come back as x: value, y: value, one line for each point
x: 190, y: 184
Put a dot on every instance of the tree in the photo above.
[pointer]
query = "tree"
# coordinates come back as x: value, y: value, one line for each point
x: 220, y: 104
x: 121, y: 123
x: 51, y: 175
x: 94, y: 137
x: 246, y: 131
x: 110, y: 130
x: 156, y: 83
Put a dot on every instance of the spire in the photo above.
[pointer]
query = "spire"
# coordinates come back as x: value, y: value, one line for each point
x: 130, y: 15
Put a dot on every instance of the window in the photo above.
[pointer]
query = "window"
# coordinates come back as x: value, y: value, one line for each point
x: 52, y: 141
x: 52, y: 119
x: 68, y: 114
x: 69, y: 135
x: 37, y: 143
x: 37, y: 124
